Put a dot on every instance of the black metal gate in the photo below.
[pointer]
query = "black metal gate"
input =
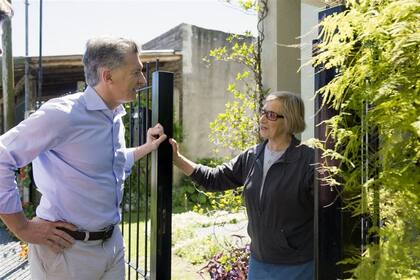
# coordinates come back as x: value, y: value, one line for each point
x: 146, y: 207
x: 335, y: 227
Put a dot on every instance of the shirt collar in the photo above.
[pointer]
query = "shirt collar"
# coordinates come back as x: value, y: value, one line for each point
x: 93, y: 100
x: 291, y: 153
x: 95, y: 103
x: 119, y: 111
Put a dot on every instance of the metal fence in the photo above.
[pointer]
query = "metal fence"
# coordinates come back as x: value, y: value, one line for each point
x: 337, y: 231
x: 146, y: 207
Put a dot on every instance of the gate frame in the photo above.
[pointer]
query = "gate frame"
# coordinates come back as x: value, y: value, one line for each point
x: 161, y: 179
x: 330, y: 223
x: 161, y: 173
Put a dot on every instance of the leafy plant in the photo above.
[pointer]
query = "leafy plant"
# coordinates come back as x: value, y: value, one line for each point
x: 23, y: 179
x: 375, y: 46
x: 231, y: 264
x: 24, y: 251
x: 189, y: 196
x: 198, y: 250
x: 237, y: 127
x: 29, y: 210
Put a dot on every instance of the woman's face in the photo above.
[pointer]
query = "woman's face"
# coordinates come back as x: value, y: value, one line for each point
x: 272, y: 121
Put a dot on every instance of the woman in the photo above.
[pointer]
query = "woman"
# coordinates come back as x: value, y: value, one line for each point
x: 278, y: 179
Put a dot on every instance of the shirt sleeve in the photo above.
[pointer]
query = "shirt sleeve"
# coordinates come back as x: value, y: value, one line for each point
x: 21, y: 144
x: 129, y: 162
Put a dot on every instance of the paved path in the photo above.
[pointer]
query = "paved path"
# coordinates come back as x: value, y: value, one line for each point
x: 11, y: 264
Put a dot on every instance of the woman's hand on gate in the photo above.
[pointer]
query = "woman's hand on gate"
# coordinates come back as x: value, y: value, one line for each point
x: 175, y: 150
x: 184, y: 164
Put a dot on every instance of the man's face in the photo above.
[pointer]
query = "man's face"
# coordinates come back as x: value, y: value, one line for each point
x: 127, y: 79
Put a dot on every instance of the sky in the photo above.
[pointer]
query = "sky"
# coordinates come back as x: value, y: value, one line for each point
x: 68, y: 24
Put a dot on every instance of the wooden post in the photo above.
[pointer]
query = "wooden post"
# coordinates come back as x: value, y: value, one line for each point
x: 8, y: 77
x: 30, y: 90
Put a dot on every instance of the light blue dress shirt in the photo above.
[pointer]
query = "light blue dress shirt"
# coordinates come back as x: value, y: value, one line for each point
x: 79, y: 160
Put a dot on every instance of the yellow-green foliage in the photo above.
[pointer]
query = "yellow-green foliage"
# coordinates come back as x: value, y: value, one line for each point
x: 237, y: 127
x: 375, y: 46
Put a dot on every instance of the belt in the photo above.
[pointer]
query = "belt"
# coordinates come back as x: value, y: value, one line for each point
x: 89, y: 235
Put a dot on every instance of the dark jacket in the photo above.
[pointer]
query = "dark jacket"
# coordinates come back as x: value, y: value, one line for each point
x: 281, y: 223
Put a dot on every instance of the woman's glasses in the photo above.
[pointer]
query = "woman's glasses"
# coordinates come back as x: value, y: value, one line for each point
x: 270, y: 115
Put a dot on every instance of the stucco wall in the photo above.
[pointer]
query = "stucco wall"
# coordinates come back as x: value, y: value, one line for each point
x: 203, y: 93
x: 281, y: 52
x: 171, y: 39
x: 291, y: 22
x: 309, y: 32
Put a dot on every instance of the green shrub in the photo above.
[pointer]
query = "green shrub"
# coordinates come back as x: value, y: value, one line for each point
x: 375, y: 46
x: 229, y: 264
x: 181, y: 234
x: 190, y: 196
x: 199, y: 250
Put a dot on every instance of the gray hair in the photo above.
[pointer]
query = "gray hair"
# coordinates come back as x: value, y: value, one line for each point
x: 293, y: 110
x: 108, y: 52
x: 6, y: 10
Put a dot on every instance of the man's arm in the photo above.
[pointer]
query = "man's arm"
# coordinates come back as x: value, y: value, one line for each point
x: 220, y: 178
x: 39, y: 231
x: 155, y: 136
x: 18, y: 147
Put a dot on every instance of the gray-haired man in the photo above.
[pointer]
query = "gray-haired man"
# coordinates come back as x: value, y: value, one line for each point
x: 80, y: 163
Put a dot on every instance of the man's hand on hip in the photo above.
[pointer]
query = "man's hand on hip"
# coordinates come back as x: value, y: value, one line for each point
x: 39, y: 231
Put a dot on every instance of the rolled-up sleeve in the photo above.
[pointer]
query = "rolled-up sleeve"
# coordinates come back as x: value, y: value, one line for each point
x: 19, y: 146
x: 129, y: 162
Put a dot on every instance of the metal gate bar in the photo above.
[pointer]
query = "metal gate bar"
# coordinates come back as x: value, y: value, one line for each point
x: 161, y: 179
x: 138, y: 189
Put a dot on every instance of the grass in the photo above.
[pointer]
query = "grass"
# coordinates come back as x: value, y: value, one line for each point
x: 195, y: 239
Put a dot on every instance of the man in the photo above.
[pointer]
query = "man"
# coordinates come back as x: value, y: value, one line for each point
x: 77, y: 146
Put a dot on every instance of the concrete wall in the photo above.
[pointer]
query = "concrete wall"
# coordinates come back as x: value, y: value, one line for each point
x: 291, y: 23
x: 281, y: 52
x: 171, y: 39
x: 309, y: 16
x: 203, y: 93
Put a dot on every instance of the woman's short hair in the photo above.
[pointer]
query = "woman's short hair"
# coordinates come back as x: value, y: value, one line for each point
x: 293, y: 110
x: 108, y: 52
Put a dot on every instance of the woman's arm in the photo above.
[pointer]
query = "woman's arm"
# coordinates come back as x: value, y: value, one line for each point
x: 223, y: 177
x: 185, y: 165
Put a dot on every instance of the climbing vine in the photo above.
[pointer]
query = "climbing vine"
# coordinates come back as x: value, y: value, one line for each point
x: 375, y: 47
